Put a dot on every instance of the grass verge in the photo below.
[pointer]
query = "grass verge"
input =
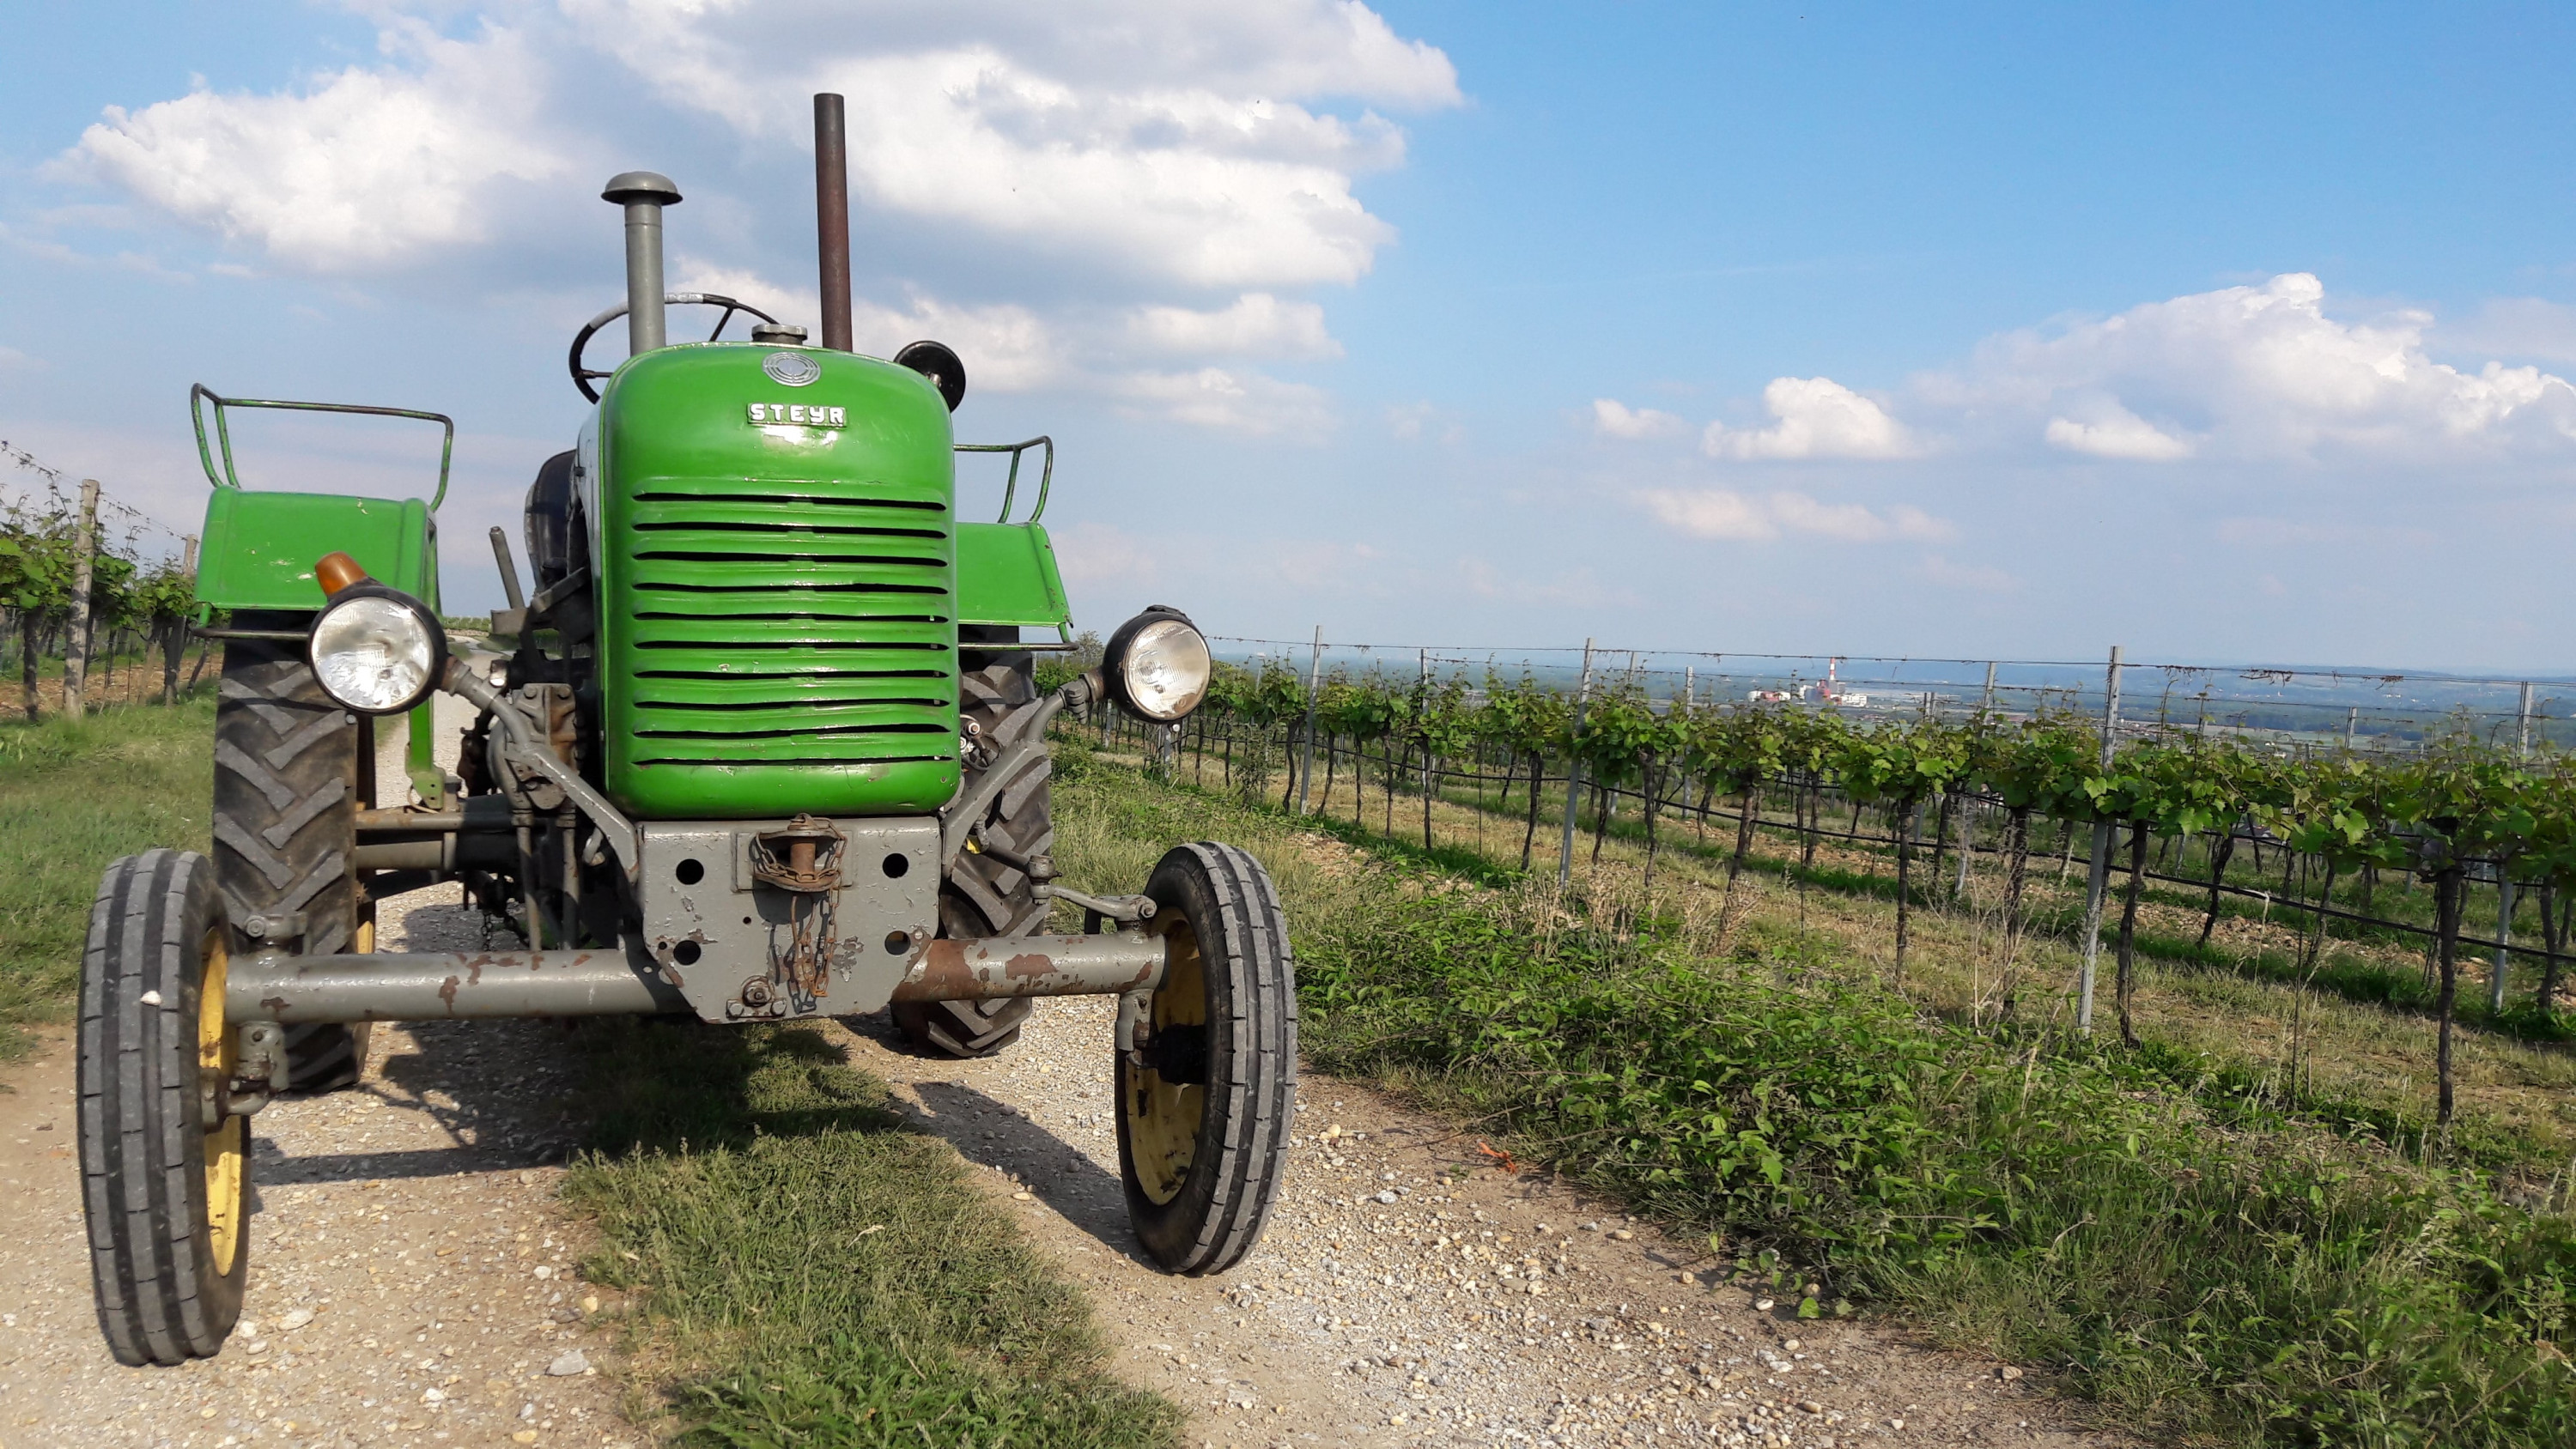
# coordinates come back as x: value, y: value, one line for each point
x: 2206, y: 1268
x: 811, y: 1271
x: 72, y: 798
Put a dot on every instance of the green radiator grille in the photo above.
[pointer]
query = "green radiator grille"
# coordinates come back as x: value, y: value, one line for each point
x: 779, y: 627
x: 777, y: 600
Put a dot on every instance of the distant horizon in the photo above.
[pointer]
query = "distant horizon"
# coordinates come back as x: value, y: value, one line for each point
x: 1996, y: 329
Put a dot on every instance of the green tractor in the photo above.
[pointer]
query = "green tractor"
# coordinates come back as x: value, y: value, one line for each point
x: 769, y: 748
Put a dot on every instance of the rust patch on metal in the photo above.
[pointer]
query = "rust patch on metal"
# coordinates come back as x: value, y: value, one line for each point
x: 273, y: 1003
x: 447, y: 993
x: 944, y: 970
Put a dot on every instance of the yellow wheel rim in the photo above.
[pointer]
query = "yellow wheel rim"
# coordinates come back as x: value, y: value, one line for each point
x: 224, y: 1146
x: 1163, y: 1117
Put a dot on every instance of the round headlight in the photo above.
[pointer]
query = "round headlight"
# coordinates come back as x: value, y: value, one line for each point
x: 377, y: 653
x: 1159, y: 665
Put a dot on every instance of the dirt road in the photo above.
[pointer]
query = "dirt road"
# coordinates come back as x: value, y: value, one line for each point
x: 411, y: 1278
x: 1411, y: 1291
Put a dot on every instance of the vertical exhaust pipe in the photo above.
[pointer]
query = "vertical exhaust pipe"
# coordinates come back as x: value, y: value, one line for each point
x: 643, y: 194
x: 832, y: 217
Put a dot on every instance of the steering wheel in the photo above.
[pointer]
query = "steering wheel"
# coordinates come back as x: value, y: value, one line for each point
x: 583, y: 376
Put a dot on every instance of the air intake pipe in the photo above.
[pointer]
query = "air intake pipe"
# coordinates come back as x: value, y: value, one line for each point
x: 643, y: 194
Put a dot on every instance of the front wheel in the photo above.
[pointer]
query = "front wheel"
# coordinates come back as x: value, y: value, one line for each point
x: 167, y: 1197
x: 1203, y: 1127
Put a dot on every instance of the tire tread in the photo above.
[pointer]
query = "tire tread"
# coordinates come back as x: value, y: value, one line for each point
x: 142, y: 1182
x: 1252, y: 1088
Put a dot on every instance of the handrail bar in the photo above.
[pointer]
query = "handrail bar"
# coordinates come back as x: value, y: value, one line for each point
x: 224, y: 435
x: 1011, y: 485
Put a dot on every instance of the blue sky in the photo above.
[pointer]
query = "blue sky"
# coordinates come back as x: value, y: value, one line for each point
x: 2219, y: 333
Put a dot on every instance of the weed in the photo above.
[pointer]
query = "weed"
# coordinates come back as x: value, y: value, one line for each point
x: 73, y: 797
x: 2162, y: 1226
x: 815, y: 1271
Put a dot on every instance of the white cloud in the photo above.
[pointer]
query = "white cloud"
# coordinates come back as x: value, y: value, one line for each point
x: 1722, y: 513
x: 11, y: 359
x: 1228, y: 400
x: 2253, y: 372
x: 1815, y: 417
x: 1005, y: 348
x: 1317, y: 566
x: 363, y: 168
x: 2301, y: 533
x: 1256, y: 325
x: 1415, y: 421
x: 1577, y: 588
x: 1097, y: 553
x: 2528, y: 328
x: 2117, y: 433
x: 1614, y: 419
x: 1974, y: 577
x: 1149, y: 135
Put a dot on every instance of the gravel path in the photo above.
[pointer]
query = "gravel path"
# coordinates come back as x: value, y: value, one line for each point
x: 411, y: 1274
x: 411, y: 1278
x: 1412, y: 1291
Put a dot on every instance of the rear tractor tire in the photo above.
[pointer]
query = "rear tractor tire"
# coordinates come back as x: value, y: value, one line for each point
x: 166, y: 1198
x: 1203, y: 1129
x: 984, y: 897
x: 290, y: 768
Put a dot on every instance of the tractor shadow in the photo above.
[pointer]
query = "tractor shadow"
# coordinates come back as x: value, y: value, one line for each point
x: 441, y: 1099
x: 995, y: 1134
x: 438, y: 1098
x: 1002, y: 1137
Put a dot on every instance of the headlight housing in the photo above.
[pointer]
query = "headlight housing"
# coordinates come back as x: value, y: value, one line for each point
x: 377, y: 650
x: 1157, y: 665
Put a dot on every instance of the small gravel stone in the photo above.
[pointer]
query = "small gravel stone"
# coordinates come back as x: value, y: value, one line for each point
x: 295, y: 1318
x: 568, y: 1365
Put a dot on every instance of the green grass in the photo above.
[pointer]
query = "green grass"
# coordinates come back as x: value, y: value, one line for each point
x: 72, y: 798
x: 2151, y: 1225
x: 2392, y: 977
x: 814, y: 1272
x: 738, y: 1175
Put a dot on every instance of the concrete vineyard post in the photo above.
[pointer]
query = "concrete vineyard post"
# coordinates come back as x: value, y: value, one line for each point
x: 2098, y: 874
x: 1574, y: 772
x: 2504, y: 940
x: 1422, y: 726
x: 2504, y: 884
x: 1969, y: 808
x: 1314, y: 680
x: 76, y: 637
